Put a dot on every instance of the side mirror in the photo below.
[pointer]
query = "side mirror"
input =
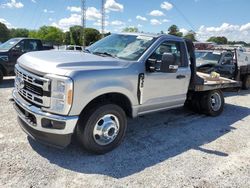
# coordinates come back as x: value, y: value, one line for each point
x: 169, y: 63
x: 17, y: 48
x: 151, y: 65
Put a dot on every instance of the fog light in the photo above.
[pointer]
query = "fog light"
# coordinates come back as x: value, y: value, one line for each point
x: 52, y: 124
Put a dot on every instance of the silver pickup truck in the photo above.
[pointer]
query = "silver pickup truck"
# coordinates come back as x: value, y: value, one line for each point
x: 90, y: 94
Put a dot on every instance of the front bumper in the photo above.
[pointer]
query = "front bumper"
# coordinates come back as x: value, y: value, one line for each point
x: 31, y: 118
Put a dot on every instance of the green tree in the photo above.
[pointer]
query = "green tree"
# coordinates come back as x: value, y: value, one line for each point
x: 76, y: 35
x: 66, y: 39
x: 91, y: 35
x: 19, y: 33
x: 237, y: 42
x: 4, y: 32
x: 218, y: 40
x: 48, y: 33
x: 131, y: 30
x: 32, y: 34
x: 191, y: 36
x: 174, y: 30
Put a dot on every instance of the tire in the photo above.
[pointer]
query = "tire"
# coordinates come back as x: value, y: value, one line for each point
x: 1, y: 76
x: 212, y: 103
x: 102, y: 128
x: 246, y: 82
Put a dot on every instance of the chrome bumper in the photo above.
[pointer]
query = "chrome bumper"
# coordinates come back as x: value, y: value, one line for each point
x: 70, y: 121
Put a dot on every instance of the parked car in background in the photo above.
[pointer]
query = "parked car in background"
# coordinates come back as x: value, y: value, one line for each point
x: 229, y: 63
x: 11, y: 50
x: 204, y: 45
x: 74, y: 48
x: 219, y: 61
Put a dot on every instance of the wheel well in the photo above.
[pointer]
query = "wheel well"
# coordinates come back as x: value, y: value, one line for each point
x: 115, y: 98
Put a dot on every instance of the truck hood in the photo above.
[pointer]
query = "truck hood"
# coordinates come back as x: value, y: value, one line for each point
x: 65, y: 62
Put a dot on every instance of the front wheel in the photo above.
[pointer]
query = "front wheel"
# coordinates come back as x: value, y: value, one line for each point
x: 102, y: 128
x: 212, y: 103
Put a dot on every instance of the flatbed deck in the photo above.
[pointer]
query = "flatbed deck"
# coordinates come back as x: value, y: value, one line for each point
x: 215, y: 83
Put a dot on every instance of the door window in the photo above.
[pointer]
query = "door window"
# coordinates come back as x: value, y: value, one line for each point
x: 228, y: 59
x: 31, y: 46
x: 78, y: 48
x: 166, y: 47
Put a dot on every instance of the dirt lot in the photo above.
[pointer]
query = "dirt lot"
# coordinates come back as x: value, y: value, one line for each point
x: 175, y: 148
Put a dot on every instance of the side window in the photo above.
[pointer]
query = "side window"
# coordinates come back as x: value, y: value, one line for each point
x: 31, y: 45
x: 228, y: 59
x: 78, y: 48
x: 70, y: 48
x: 21, y: 45
x: 167, y: 47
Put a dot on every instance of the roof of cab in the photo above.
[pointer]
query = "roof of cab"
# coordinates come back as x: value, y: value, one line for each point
x: 150, y: 35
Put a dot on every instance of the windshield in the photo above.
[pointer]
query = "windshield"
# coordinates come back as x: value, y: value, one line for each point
x: 9, y: 44
x: 128, y: 47
x: 208, y: 56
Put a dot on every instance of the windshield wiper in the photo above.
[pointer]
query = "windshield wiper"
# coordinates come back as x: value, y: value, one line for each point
x: 104, y: 54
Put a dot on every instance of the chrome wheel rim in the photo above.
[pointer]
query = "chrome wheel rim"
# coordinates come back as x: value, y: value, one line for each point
x: 106, y: 129
x: 215, y: 101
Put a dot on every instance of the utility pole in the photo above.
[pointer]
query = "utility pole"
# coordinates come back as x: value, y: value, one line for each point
x: 83, y: 21
x: 103, y: 17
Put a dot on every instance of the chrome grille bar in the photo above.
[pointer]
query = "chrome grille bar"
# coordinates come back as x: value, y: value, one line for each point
x: 33, y: 87
x: 32, y: 78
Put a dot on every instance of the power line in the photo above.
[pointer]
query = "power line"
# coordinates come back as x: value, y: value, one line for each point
x: 184, y: 17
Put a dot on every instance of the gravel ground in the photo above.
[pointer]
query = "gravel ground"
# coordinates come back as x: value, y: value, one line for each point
x: 175, y: 148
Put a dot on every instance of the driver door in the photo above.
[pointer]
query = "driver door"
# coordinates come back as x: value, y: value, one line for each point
x: 166, y: 90
x: 226, y: 66
x: 16, y: 52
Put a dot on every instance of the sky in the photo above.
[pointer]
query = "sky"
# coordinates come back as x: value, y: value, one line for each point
x: 230, y: 18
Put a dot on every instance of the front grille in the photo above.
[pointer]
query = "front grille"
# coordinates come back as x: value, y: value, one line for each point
x: 33, y: 88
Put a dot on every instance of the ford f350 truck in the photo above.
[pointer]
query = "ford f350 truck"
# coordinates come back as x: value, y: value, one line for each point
x: 90, y: 94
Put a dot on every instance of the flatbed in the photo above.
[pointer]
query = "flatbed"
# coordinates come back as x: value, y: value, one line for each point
x: 215, y: 83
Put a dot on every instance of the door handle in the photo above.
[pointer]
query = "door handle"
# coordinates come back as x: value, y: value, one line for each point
x: 180, y: 76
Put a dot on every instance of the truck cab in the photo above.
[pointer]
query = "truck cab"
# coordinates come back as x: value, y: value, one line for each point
x: 11, y: 50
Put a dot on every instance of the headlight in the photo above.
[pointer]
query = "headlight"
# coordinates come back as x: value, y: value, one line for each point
x: 61, y: 94
x: 4, y: 57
